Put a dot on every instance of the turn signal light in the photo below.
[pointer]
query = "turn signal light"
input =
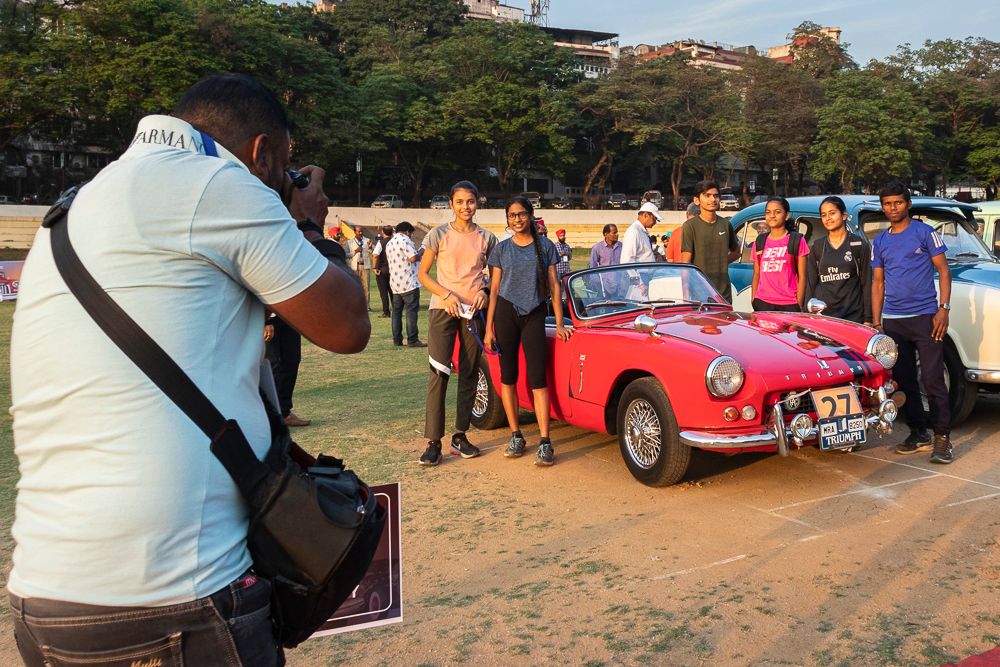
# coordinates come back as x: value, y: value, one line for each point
x: 731, y: 414
x: 749, y: 412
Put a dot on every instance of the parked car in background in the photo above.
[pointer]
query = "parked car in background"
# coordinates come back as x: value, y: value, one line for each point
x: 439, y: 202
x: 759, y: 199
x: 388, y: 201
x: 4, y: 199
x: 653, y: 196
x: 989, y: 215
x: 972, y: 346
x: 534, y: 197
x: 729, y: 202
x: 688, y: 372
x: 562, y: 203
x: 618, y: 200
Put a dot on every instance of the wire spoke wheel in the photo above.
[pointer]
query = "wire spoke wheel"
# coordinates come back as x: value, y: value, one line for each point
x: 648, y: 436
x: 482, y: 401
x: 642, y: 433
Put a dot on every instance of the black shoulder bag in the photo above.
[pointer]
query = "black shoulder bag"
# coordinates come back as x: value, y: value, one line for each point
x: 314, y: 526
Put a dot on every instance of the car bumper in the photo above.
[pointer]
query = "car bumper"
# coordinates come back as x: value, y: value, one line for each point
x: 780, y: 437
x: 986, y: 377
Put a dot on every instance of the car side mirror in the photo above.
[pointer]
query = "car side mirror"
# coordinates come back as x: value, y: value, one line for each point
x: 645, y: 324
x: 816, y: 306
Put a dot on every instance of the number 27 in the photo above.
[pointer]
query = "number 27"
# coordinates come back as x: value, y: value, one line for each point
x: 832, y: 403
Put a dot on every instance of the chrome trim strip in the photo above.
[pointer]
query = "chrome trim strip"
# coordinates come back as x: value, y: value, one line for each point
x: 987, y: 377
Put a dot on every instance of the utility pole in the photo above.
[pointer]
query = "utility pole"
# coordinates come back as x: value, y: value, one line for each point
x: 357, y: 168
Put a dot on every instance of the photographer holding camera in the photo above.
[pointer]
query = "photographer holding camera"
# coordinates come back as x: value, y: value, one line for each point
x: 129, y: 531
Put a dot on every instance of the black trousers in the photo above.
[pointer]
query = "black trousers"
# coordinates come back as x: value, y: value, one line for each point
x: 913, y: 337
x: 284, y: 351
x: 383, y: 290
x: 515, y: 331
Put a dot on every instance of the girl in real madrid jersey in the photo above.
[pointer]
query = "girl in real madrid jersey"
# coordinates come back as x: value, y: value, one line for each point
x: 838, y: 271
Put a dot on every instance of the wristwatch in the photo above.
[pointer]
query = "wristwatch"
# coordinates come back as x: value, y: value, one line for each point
x: 946, y: 306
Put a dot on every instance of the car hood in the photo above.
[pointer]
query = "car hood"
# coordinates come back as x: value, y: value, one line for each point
x: 771, y: 343
x: 977, y: 272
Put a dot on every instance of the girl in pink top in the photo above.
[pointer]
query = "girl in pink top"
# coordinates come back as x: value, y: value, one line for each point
x: 779, y: 262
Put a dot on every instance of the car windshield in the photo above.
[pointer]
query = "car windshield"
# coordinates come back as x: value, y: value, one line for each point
x: 384, y: 198
x: 958, y: 235
x: 617, y: 289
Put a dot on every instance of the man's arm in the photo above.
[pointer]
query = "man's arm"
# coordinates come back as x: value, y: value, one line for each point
x: 331, y: 312
x: 878, y: 295
x: 944, y: 283
x: 734, y: 244
x: 593, y: 257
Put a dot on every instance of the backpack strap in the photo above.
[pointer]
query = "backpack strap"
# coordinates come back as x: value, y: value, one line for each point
x: 794, y: 241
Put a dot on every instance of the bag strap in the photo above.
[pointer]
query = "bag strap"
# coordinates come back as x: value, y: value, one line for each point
x: 123, y: 330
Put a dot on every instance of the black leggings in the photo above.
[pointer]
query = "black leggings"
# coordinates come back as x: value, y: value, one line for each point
x: 513, y: 331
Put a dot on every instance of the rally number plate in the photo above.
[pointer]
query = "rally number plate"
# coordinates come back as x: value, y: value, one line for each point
x: 841, y: 421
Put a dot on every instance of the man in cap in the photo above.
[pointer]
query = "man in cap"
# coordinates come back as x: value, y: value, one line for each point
x: 565, y: 253
x: 636, y: 247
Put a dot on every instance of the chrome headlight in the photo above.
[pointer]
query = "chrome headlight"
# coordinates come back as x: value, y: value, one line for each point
x: 724, y: 376
x: 883, y: 349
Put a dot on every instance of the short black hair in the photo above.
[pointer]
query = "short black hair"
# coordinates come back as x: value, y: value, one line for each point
x: 232, y: 108
x: 404, y: 226
x: 704, y: 186
x: 387, y: 230
x: 607, y: 228
x: 464, y: 185
x: 894, y: 189
x: 781, y: 201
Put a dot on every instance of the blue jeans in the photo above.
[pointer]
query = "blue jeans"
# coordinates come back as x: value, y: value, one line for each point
x: 230, y: 627
x: 410, y: 302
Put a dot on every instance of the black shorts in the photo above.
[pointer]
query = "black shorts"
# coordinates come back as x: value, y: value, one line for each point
x: 513, y: 331
x: 763, y: 306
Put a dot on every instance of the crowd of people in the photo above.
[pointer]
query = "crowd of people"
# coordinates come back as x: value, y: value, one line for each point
x: 121, y: 504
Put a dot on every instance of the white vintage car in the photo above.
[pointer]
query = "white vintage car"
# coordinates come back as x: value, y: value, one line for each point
x: 972, y: 348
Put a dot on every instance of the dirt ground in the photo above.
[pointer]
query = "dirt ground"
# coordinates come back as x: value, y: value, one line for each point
x: 868, y: 558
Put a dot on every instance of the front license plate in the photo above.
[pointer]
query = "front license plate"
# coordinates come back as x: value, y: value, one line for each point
x: 836, y: 402
x: 842, y: 432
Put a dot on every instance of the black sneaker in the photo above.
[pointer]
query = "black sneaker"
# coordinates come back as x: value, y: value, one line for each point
x: 545, y: 456
x: 917, y: 441
x: 516, y: 447
x: 431, y: 455
x: 942, y: 450
x: 460, y: 446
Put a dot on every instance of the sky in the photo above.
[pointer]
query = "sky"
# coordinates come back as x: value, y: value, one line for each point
x: 872, y: 28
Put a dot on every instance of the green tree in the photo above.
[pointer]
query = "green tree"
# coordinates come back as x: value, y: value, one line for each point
x: 869, y: 130
x: 507, y: 93
x: 376, y: 32
x: 818, y: 53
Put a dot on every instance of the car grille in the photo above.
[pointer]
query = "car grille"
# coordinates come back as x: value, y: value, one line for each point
x: 794, y: 406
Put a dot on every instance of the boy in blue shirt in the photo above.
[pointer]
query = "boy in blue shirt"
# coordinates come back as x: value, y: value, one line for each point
x: 906, y: 306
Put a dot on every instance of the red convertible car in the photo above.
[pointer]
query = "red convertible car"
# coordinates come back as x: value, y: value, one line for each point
x: 659, y: 359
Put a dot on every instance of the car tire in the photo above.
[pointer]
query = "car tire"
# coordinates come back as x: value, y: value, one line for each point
x: 961, y: 392
x: 648, y: 435
x: 487, y: 407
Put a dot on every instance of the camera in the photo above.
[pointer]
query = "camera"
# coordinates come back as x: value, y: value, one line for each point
x: 299, y: 179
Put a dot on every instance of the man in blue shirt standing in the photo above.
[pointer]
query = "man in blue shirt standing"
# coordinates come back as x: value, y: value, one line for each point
x: 906, y: 306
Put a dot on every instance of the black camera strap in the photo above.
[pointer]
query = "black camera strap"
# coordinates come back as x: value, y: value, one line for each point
x: 137, y: 345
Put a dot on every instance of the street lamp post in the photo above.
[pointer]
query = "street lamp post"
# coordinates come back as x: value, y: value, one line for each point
x: 357, y: 168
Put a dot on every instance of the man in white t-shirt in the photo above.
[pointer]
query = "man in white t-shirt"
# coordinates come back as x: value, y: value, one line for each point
x: 128, y: 529
x: 635, y: 244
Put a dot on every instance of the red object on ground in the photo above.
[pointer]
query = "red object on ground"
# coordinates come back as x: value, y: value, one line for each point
x: 989, y: 659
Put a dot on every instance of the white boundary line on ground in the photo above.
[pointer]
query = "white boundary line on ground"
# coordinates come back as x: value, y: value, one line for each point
x: 973, y: 500
x: 855, y: 492
x: 932, y: 472
x: 678, y: 573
